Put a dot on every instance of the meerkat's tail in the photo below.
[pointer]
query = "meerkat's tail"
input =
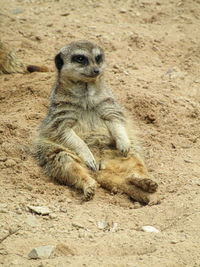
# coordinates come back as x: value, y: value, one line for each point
x: 33, y: 68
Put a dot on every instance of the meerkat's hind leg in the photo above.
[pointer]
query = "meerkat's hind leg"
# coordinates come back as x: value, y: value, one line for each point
x: 82, y: 180
x: 65, y: 167
x: 128, y: 175
x: 138, y: 174
x: 116, y: 182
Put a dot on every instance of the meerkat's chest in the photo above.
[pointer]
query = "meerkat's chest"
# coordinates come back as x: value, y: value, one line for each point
x: 89, y: 120
x: 92, y: 129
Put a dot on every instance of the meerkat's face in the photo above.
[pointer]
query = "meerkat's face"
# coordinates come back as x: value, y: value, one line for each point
x: 80, y: 61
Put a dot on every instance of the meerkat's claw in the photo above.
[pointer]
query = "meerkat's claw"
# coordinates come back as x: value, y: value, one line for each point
x: 125, y: 152
x: 148, y: 185
x: 91, y: 165
x: 89, y: 192
x: 123, y: 147
x: 152, y: 186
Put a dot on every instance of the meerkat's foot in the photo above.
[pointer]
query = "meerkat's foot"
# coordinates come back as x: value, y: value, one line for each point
x: 138, y: 194
x: 146, y: 184
x: 154, y: 199
x: 89, y: 190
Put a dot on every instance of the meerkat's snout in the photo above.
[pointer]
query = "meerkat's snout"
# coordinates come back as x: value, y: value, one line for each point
x: 95, y: 71
x: 92, y: 72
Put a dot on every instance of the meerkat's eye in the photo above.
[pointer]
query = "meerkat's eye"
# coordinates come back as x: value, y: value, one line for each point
x: 99, y: 59
x: 80, y: 59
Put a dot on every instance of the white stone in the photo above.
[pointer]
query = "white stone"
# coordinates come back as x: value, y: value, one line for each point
x: 43, y: 252
x: 196, y: 181
x: 149, y: 229
x: 40, y: 210
x: 102, y: 225
x: 114, y: 227
x: 197, y: 81
x: 122, y: 10
x: 3, y: 206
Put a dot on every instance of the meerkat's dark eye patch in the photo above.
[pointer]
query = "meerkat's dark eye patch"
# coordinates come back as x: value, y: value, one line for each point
x: 59, y: 61
x: 99, y: 59
x: 80, y: 59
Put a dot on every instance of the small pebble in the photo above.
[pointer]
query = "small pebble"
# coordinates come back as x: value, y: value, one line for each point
x: 102, y: 225
x: 63, y: 209
x: 78, y: 225
x: 90, y: 235
x: 68, y: 200
x: 149, y: 229
x: 174, y: 242
x: 194, y: 181
x: 91, y: 220
x: 65, y: 14
x: 122, y: 10
x: 43, y: 252
x: 114, y: 227
x: 3, y: 205
x: 116, y: 67
x: 3, y: 208
x: 52, y: 216
x: 3, y: 159
x: 188, y: 161
x: 197, y: 81
x: 39, y: 210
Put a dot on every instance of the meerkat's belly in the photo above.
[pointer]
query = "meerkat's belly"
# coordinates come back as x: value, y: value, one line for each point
x: 92, y: 129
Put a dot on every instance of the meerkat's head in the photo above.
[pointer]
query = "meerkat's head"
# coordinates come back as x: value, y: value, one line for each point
x: 80, y: 61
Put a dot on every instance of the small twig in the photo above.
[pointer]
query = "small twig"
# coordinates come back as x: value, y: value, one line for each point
x: 11, y: 232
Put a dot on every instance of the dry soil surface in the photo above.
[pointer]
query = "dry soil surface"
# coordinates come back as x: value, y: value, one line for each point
x: 153, y: 55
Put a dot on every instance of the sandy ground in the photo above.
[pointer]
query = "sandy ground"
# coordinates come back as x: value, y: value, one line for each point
x: 153, y: 55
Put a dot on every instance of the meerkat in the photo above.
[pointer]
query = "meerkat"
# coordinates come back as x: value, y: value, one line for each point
x: 9, y: 63
x: 86, y: 137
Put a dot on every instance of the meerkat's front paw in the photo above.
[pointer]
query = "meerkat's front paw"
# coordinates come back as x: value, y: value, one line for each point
x: 89, y: 160
x: 89, y: 191
x: 123, y: 146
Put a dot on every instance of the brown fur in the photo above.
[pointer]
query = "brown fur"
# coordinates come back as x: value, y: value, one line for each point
x: 85, y: 135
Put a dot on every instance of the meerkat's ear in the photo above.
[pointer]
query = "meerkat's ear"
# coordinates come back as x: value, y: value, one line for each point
x: 59, y: 61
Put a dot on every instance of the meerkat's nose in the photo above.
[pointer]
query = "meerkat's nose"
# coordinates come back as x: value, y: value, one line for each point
x: 96, y: 71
